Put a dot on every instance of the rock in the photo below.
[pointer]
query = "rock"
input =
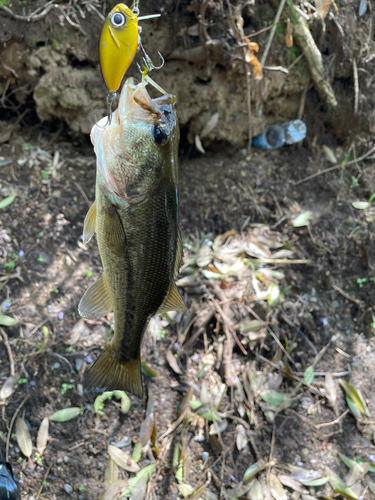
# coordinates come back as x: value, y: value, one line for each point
x: 205, y: 456
x: 68, y: 489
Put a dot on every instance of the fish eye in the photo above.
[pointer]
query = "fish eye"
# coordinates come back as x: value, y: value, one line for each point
x: 160, y: 135
x: 118, y: 20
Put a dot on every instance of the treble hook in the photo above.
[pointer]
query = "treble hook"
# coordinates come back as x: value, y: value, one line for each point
x: 111, y: 96
x: 149, y: 65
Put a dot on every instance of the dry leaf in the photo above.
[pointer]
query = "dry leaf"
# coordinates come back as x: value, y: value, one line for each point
x: 111, y: 473
x: 23, y: 437
x: 139, y: 489
x: 172, y: 361
x: 328, y: 153
x: 276, y: 488
x: 198, y: 144
x: 122, y: 459
x: 330, y: 388
x: 241, y: 438
x: 322, y: 8
x: 42, y: 438
x: 210, y: 125
x: 8, y: 388
x: 146, y: 429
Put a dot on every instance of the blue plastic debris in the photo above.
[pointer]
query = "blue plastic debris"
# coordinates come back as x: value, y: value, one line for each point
x: 276, y: 136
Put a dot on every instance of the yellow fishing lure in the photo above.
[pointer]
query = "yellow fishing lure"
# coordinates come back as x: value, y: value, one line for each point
x: 118, y: 45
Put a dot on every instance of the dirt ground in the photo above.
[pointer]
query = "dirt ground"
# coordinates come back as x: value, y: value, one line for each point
x: 293, y: 297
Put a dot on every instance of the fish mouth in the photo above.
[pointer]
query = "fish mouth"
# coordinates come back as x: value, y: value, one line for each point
x: 136, y: 104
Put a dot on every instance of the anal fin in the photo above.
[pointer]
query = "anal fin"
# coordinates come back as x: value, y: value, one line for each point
x: 173, y: 301
x: 89, y: 224
x: 96, y: 301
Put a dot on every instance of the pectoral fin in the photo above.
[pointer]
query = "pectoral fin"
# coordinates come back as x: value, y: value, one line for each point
x: 173, y: 301
x: 89, y: 224
x: 96, y: 302
x: 114, y: 232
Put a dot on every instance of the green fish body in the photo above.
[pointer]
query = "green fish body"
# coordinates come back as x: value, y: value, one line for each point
x: 135, y: 217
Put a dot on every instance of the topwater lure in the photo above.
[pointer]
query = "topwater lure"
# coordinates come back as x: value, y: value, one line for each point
x: 119, y: 42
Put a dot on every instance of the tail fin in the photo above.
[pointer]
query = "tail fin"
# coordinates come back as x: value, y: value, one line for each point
x: 109, y: 372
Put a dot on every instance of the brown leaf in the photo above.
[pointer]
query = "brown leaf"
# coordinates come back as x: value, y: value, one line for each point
x: 8, y: 388
x: 122, y: 459
x: 111, y: 473
x: 146, y: 429
x: 23, y: 437
x: 172, y: 361
x: 42, y: 438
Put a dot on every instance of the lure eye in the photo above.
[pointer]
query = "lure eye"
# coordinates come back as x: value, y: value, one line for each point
x: 160, y: 135
x: 118, y: 20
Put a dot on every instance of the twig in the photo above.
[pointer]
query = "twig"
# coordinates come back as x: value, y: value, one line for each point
x: 175, y: 424
x: 293, y: 325
x: 272, y: 334
x: 277, y: 68
x: 271, y: 448
x: 31, y: 17
x: 359, y: 303
x: 302, y: 102
x: 280, y: 261
x: 44, y: 479
x: 312, y: 55
x: 335, y: 167
x: 272, y: 34
x: 356, y: 86
x: 9, y: 351
x: 83, y: 194
x: 11, y: 426
x: 326, y: 424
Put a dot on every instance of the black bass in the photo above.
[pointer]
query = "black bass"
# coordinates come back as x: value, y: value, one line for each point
x: 135, y: 217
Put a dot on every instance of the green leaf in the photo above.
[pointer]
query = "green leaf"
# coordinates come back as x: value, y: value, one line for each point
x: 7, y: 201
x: 211, y: 415
x: 353, y: 395
x: 251, y: 326
x: 347, y: 461
x: 253, y: 470
x: 65, y: 415
x: 146, y: 370
x: 7, y: 320
x: 185, y: 489
x: 353, y: 408
x: 137, y: 452
x: 309, y: 375
x: 276, y: 399
x: 316, y: 482
x: 146, y: 472
x: 194, y: 405
x: 302, y: 219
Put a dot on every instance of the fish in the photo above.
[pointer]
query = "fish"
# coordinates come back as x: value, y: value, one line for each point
x: 8, y: 485
x: 135, y: 218
x: 118, y: 45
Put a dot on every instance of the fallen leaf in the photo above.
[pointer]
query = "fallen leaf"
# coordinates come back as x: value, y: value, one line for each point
x: 302, y: 220
x: 8, y: 387
x: 23, y: 437
x: 122, y: 459
x: 42, y: 438
x: 361, y: 205
x: 172, y: 361
x: 198, y: 144
x: 210, y: 125
x: 111, y: 473
x: 7, y: 201
x: 328, y: 153
x: 65, y: 415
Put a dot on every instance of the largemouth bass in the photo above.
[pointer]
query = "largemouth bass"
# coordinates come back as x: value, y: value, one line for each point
x: 135, y: 217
